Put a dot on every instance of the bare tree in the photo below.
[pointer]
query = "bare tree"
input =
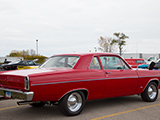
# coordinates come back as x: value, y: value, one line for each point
x: 32, y: 52
x: 106, y: 44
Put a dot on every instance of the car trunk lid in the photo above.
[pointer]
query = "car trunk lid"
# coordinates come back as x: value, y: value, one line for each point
x: 12, y: 82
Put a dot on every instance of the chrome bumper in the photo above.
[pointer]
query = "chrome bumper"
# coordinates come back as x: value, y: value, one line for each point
x: 16, y: 94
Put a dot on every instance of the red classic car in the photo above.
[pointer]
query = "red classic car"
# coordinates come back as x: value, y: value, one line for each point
x: 68, y: 80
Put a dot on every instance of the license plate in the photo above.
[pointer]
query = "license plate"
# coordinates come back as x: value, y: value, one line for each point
x: 8, y: 95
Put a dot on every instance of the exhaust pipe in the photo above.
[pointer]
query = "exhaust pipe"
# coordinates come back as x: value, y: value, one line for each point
x: 2, y: 98
x: 24, y: 102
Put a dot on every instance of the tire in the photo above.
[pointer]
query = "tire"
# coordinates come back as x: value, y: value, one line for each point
x: 72, y: 104
x: 38, y: 104
x: 150, y: 93
x: 151, y: 65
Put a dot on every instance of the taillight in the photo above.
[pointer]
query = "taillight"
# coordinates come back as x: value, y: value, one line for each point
x: 26, y: 83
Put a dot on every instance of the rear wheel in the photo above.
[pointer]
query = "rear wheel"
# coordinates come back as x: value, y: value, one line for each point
x: 150, y: 93
x: 72, y: 103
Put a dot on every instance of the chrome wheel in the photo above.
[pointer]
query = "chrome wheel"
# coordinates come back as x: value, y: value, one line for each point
x: 152, y: 91
x: 74, y: 102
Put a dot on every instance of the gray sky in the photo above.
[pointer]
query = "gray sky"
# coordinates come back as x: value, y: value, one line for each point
x: 67, y: 26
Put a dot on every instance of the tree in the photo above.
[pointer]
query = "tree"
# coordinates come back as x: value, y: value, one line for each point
x: 27, y: 55
x: 120, y: 41
x: 106, y: 44
x: 15, y: 53
x: 32, y: 52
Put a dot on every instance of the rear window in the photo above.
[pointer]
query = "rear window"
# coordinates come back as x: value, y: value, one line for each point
x: 61, y: 61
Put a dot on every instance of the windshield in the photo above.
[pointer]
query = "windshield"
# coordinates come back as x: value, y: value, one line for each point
x: 61, y: 61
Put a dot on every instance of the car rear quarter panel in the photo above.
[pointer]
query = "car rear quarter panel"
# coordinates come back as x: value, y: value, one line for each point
x: 52, y: 87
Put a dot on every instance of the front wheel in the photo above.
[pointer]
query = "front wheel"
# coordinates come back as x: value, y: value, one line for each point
x: 72, y: 103
x: 150, y: 93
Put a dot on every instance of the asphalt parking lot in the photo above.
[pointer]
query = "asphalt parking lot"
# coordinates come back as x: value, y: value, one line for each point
x: 122, y: 108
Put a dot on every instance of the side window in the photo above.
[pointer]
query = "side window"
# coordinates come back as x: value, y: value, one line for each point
x: 95, y: 64
x: 30, y: 62
x: 139, y: 61
x: 24, y: 62
x: 111, y: 62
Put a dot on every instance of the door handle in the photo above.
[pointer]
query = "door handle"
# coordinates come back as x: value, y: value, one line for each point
x: 108, y: 72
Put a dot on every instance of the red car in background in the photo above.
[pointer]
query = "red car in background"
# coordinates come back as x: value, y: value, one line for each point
x: 133, y: 62
x: 69, y: 80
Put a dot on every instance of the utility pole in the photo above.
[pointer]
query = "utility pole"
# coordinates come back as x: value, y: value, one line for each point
x: 37, y: 46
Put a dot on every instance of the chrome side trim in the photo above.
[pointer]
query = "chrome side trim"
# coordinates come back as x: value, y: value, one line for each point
x: 16, y: 94
x: 149, y: 76
x: 83, y: 80
x: 94, y: 80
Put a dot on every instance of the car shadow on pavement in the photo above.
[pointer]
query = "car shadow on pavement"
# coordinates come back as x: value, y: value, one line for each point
x: 112, y: 102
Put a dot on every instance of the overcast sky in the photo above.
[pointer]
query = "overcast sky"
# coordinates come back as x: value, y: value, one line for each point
x: 67, y: 26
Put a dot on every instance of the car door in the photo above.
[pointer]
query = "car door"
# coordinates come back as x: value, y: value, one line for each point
x: 120, y: 79
x: 96, y: 75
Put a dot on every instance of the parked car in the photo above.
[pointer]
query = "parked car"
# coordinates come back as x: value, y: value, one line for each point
x: 154, y: 65
x: 6, y: 61
x: 69, y: 80
x: 134, y: 62
x: 152, y: 59
x: 143, y: 66
x: 22, y: 67
x: 19, y: 64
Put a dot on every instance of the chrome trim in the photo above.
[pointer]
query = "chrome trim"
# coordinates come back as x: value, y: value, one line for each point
x: 26, y: 83
x: 95, y: 80
x: 83, y: 80
x: 17, y: 94
x: 152, y: 91
x: 74, y: 102
x: 149, y: 76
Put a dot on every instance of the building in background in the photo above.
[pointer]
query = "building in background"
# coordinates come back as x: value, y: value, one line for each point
x: 141, y: 55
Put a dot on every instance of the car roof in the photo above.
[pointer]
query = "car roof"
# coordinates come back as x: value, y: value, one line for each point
x: 87, y: 54
x: 85, y: 58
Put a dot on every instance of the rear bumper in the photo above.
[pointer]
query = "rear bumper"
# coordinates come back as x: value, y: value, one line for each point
x: 16, y: 94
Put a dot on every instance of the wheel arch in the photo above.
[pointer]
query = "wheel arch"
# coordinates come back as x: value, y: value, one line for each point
x: 152, y: 80
x: 85, y: 92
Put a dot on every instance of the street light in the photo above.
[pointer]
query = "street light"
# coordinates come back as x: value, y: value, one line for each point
x: 37, y: 46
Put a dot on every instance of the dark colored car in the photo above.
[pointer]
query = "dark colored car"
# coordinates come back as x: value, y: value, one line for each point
x: 13, y: 65
x: 157, y: 65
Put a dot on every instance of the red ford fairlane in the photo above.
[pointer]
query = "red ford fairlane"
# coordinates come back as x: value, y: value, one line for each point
x: 68, y: 80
